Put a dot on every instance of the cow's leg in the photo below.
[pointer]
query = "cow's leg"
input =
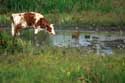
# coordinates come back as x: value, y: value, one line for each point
x: 18, y: 29
x: 35, y: 36
x: 12, y: 29
x: 36, y: 31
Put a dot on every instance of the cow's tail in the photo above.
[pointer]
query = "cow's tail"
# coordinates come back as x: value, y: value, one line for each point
x: 12, y: 26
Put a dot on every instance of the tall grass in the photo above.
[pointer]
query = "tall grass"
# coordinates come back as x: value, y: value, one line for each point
x: 58, y: 65
x: 47, y: 6
x: 4, y: 19
x: 26, y: 43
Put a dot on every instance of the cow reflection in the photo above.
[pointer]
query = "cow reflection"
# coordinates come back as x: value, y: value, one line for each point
x: 75, y: 36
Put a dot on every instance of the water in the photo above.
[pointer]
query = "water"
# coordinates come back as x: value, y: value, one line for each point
x: 64, y: 38
x: 103, y: 42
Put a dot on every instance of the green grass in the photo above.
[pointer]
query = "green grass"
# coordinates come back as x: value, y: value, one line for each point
x: 4, y: 19
x: 59, y: 65
x: 49, y: 6
x: 91, y: 18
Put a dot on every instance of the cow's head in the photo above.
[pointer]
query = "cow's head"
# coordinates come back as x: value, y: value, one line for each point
x: 46, y: 25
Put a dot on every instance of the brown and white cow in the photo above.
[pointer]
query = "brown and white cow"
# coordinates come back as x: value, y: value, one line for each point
x: 30, y: 20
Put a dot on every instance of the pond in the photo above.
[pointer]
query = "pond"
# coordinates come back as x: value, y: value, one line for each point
x: 103, y: 41
x: 64, y: 37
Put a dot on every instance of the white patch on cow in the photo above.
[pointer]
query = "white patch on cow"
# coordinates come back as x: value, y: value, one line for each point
x: 12, y: 29
x: 24, y: 24
x: 18, y: 18
x: 38, y: 16
x: 52, y: 27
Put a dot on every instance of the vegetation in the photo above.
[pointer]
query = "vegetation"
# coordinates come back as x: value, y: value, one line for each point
x: 58, y: 65
x: 24, y: 43
x: 85, y: 12
x: 50, y: 6
x: 24, y: 63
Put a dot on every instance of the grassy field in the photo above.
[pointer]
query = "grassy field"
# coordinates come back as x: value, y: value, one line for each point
x: 22, y: 62
x: 62, y: 65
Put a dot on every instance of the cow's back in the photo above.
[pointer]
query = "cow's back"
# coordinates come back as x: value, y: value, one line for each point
x: 29, y: 18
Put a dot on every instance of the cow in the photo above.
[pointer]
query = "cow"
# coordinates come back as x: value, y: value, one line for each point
x: 30, y: 20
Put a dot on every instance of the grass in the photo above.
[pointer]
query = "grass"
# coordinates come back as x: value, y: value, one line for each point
x: 4, y: 19
x: 59, y: 65
x: 62, y: 5
x: 91, y: 18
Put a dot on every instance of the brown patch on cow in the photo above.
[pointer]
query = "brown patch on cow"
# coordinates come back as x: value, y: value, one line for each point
x: 18, y: 28
x: 29, y: 18
x: 49, y: 29
x: 43, y: 23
